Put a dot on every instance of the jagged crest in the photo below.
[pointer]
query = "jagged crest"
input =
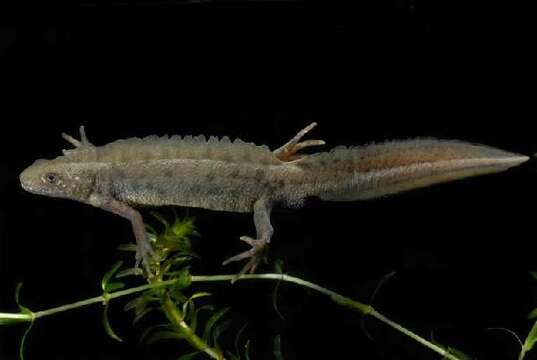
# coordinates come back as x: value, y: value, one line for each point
x: 167, y: 147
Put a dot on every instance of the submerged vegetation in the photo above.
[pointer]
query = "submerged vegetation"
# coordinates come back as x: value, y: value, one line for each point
x: 189, y: 316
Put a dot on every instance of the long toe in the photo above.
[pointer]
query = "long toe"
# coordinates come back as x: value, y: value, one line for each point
x: 249, y: 267
x: 243, y: 255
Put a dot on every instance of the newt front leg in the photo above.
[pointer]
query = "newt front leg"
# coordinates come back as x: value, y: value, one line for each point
x: 264, y: 230
x: 144, y: 251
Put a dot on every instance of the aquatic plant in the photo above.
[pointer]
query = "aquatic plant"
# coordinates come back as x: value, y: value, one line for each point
x: 188, y: 315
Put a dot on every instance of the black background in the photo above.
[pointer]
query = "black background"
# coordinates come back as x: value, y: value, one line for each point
x: 261, y: 71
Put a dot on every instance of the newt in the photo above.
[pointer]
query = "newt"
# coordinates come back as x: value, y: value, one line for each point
x: 238, y: 176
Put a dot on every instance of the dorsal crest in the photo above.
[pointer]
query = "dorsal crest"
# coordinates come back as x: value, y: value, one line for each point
x: 168, y: 147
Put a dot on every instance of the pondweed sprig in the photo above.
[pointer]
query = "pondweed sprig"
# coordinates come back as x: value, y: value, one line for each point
x: 173, y: 255
x: 168, y: 291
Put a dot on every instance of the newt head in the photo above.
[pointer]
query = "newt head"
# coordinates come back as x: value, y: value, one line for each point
x: 57, y: 178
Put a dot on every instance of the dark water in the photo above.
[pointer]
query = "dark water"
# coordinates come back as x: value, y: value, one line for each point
x: 261, y: 71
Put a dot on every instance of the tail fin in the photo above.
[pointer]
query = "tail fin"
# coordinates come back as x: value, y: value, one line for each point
x: 346, y: 174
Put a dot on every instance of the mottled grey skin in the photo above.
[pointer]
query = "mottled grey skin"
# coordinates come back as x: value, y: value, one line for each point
x: 218, y: 174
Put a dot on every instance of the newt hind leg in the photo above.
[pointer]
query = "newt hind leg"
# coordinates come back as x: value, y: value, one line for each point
x: 264, y: 230
x: 289, y: 151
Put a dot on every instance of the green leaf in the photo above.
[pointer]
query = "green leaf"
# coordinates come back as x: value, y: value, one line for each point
x: 183, y: 228
x: 206, y: 307
x: 193, y: 318
x: 129, y: 272
x: 18, y: 293
x: 200, y: 294
x: 193, y: 315
x: 22, y: 308
x: 127, y: 247
x: 530, y: 340
x: 150, y: 229
x: 247, y: 350
x: 151, y: 237
x: 189, y: 356
x: 111, y: 287
x: 231, y: 356
x: 218, y: 331
x: 171, y: 243
x: 532, y: 314
x: 142, y: 306
x: 278, y: 266
x: 140, y: 303
x: 178, y: 260
x: 177, y: 295
x: 133, y: 303
x: 24, y: 338
x: 275, y: 299
x: 187, y: 306
x: 108, y: 276
x: 150, y: 330
x: 278, y: 347
x: 160, y: 218
x: 107, y: 327
x: 146, y: 311
x: 237, y: 338
x: 211, y: 322
x: 510, y: 332
x: 164, y: 335
x: 534, y: 274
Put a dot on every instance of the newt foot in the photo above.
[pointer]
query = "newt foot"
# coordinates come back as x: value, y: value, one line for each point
x: 290, y: 151
x: 255, y: 255
x: 144, y: 254
x: 83, y: 143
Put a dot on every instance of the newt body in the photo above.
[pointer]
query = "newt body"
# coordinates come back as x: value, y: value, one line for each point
x: 222, y: 175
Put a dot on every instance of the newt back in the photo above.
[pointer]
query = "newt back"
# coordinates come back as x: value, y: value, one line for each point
x: 172, y: 147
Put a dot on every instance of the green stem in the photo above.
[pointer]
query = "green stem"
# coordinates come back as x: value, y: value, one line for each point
x: 339, y: 299
x: 75, y: 305
x: 176, y: 317
x: 15, y: 317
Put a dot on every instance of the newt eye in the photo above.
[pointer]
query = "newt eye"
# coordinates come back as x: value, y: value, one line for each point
x: 52, y: 178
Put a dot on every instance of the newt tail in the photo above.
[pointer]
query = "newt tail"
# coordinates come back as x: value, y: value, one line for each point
x: 371, y: 171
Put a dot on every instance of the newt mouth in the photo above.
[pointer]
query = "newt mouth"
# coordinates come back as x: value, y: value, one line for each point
x: 26, y: 187
x: 29, y: 188
x: 27, y: 182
